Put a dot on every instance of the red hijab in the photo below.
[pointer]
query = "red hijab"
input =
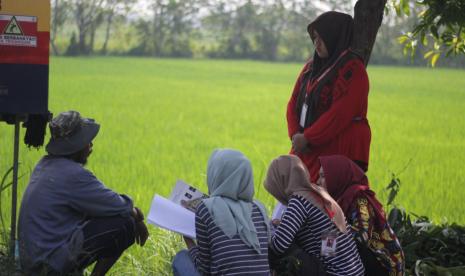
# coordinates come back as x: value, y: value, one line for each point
x: 345, y: 181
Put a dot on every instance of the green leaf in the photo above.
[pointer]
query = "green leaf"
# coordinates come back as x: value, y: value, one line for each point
x: 428, y: 54
x: 4, y: 187
x: 434, y: 31
x: 424, y: 39
x: 392, y: 196
x: 402, y: 39
x: 6, y: 175
x: 434, y: 59
x: 406, y: 7
x: 398, y: 9
x: 405, y: 50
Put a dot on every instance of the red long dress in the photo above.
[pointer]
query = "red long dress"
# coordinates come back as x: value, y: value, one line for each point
x: 342, y: 127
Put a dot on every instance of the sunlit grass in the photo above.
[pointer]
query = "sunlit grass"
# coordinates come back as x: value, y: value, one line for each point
x: 161, y: 119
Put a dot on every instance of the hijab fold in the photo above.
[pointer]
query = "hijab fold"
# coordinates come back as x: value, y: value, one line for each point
x: 231, y: 188
x: 336, y: 30
x: 345, y: 181
x: 288, y: 176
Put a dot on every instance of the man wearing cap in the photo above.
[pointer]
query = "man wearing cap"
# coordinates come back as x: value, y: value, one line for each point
x: 68, y: 218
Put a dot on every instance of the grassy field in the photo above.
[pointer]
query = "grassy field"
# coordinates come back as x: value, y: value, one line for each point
x: 161, y: 119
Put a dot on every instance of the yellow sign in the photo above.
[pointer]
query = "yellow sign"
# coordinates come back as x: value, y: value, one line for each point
x: 38, y: 8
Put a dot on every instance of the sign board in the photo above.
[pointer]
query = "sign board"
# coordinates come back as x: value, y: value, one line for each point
x: 24, y: 56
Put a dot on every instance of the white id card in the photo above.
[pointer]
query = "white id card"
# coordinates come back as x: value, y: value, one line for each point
x: 328, y: 244
x: 303, y: 115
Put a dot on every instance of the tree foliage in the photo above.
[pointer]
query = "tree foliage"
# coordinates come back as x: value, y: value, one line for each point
x: 252, y: 29
x: 441, y: 27
x: 429, y: 249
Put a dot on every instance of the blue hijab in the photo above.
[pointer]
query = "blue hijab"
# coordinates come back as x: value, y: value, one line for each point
x: 231, y: 188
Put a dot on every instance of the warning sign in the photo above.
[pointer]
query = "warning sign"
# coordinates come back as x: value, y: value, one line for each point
x: 18, y: 30
x: 13, y: 27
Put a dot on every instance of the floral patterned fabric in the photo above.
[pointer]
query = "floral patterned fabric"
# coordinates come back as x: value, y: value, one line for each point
x: 382, y: 242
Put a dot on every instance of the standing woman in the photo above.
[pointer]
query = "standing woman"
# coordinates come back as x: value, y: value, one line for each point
x: 313, y: 220
x: 327, y: 110
x: 378, y: 245
x: 231, y: 228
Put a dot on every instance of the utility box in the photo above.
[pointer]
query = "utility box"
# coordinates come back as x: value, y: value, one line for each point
x: 24, y: 56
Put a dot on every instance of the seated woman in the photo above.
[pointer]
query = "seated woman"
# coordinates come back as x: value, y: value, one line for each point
x: 312, y: 220
x: 378, y: 245
x: 231, y: 228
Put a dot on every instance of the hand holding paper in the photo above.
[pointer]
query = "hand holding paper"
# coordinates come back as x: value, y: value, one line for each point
x: 177, y: 213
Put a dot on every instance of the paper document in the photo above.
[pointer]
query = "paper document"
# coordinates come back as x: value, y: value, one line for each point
x: 171, y: 216
x: 278, y: 211
x: 186, y: 195
x: 178, y: 212
x: 277, y: 214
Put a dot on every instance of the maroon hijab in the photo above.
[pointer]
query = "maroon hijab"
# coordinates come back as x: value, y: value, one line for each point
x: 345, y: 181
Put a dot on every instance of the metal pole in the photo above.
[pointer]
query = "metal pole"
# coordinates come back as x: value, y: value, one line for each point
x: 14, y: 189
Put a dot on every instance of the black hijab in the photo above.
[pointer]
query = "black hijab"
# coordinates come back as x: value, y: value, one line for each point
x: 336, y: 31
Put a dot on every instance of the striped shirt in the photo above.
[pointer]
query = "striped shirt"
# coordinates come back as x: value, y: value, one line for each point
x: 304, y: 224
x: 216, y: 254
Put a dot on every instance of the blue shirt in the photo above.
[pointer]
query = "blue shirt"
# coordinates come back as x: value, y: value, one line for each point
x: 60, y: 197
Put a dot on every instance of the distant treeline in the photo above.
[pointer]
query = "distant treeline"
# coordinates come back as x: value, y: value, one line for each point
x: 273, y: 30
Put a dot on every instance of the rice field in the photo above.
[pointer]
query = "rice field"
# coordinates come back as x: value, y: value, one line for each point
x: 161, y: 118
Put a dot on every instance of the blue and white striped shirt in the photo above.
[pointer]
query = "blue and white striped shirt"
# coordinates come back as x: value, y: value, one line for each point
x: 304, y: 224
x: 216, y: 254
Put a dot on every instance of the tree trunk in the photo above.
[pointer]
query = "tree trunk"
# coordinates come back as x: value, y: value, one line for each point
x: 93, y: 29
x: 82, y: 28
x: 107, y: 32
x: 367, y: 20
x: 158, y: 28
x: 54, y: 28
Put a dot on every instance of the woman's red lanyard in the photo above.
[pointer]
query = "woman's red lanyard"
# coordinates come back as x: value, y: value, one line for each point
x: 311, y: 84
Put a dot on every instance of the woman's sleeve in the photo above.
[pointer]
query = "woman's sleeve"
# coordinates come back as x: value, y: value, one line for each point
x: 349, y: 94
x: 200, y: 254
x: 363, y: 219
x: 292, y: 117
x: 362, y: 222
x: 293, y: 219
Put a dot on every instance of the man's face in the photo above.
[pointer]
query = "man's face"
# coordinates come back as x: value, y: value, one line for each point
x: 84, y: 154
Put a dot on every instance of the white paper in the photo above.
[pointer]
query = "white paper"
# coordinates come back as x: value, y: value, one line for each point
x: 171, y: 216
x: 186, y: 195
x: 278, y: 211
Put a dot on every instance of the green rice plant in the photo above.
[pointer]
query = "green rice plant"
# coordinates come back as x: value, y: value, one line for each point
x: 3, y: 186
x: 161, y: 118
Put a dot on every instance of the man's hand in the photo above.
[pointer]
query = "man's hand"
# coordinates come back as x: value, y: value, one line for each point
x: 299, y: 143
x: 141, y: 231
